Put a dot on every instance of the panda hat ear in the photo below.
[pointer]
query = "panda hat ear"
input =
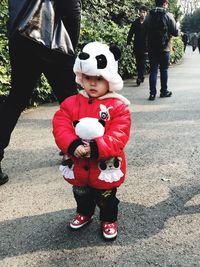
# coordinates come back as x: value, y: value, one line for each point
x: 81, y: 46
x: 116, y: 51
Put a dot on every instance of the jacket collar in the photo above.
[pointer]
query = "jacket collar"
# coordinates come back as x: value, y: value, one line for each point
x: 109, y: 95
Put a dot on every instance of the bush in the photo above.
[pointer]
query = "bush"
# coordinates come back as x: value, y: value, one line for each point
x: 177, y: 50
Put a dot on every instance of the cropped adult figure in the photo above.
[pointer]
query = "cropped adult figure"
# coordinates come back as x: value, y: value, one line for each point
x: 138, y: 45
x: 194, y: 42
x: 199, y: 43
x: 184, y: 38
x: 159, y: 27
x: 28, y: 62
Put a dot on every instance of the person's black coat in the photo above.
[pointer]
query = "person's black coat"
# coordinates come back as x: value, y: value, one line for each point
x: 136, y: 29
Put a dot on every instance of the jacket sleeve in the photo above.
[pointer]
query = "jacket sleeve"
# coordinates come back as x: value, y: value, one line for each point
x: 130, y: 34
x: 144, y: 32
x: 172, y: 25
x: 112, y: 143
x: 63, y: 129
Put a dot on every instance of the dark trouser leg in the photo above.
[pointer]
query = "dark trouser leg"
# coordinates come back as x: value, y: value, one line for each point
x: 185, y: 47
x: 85, y: 201
x: 153, y: 60
x: 61, y: 78
x: 70, y: 12
x: 108, y: 204
x: 140, y: 65
x: 60, y: 75
x: 164, y: 64
x: 25, y: 72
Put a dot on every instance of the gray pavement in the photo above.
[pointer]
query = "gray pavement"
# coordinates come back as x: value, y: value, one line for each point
x: 159, y: 213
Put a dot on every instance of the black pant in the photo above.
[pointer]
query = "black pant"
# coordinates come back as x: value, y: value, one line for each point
x: 140, y: 64
x: 27, y: 65
x: 87, y: 198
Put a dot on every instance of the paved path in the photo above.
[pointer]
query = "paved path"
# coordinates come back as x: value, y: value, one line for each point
x: 160, y: 201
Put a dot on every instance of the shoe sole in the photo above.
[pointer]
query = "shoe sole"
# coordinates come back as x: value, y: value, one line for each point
x: 76, y: 227
x: 110, y: 237
x: 162, y: 96
x: 165, y: 96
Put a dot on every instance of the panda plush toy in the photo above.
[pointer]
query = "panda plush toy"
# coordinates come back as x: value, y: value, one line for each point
x: 87, y: 129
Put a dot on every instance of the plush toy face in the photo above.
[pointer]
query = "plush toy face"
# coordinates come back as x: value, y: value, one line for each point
x: 110, y: 170
x: 89, y: 128
x: 97, y: 59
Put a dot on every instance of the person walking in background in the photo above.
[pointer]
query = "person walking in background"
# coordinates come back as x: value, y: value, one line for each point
x: 184, y: 38
x: 138, y: 45
x: 159, y: 27
x: 199, y: 43
x: 28, y: 63
x: 92, y: 129
x: 194, y: 42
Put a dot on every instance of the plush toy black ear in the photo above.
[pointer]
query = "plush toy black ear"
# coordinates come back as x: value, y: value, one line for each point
x: 68, y: 163
x: 102, y: 165
x: 102, y: 122
x: 75, y: 123
x: 116, y: 51
x: 116, y: 162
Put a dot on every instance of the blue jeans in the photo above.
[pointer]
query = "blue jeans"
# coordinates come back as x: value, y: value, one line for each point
x: 156, y: 60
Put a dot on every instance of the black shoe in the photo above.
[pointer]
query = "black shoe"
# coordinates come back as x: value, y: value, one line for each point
x: 166, y: 94
x: 138, y: 81
x: 3, y: 177
x: 152, y: 97
x: 142, y: 80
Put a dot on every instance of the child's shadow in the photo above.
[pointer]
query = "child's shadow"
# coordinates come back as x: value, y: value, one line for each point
x: 50, y: 231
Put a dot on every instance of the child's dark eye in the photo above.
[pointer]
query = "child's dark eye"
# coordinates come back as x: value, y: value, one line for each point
x: 100, y: 78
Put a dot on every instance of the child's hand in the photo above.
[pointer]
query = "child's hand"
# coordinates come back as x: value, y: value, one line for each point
x: 88, y: 150
x: 80, y: 151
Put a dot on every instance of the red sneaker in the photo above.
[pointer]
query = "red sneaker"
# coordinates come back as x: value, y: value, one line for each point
x: 109, y: 230
x: 79, y: 221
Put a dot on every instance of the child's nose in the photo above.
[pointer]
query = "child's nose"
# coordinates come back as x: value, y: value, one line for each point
x: 93, y: 81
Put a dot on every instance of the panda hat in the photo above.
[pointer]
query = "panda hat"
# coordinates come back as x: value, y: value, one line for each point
x: 97, y: 59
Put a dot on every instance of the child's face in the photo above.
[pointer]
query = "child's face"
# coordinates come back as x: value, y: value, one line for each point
x: 95, y: 86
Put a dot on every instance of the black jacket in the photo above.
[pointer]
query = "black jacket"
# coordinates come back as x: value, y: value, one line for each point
x: 172, y: 26
x: 136, y: 29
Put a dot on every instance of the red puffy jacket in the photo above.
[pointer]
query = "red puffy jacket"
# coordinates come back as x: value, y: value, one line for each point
x: 106, y: 167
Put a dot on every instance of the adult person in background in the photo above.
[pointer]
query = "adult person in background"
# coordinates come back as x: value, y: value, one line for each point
x: 27, y: 65
x: 138, y: 45
x: 184, y: 38
x: 194, y: 42
x: 158, y: 45
x: 199, y: 43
